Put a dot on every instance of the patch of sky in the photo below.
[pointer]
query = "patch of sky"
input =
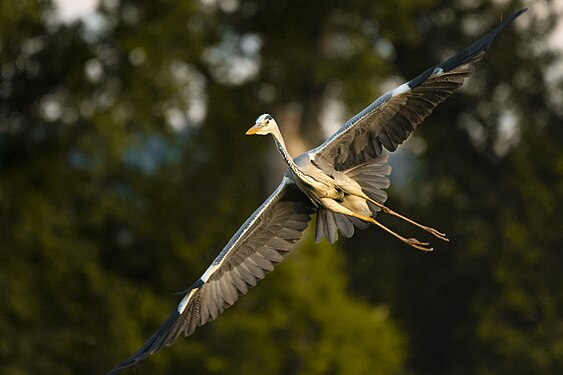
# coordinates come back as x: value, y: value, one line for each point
x: 150, y: 153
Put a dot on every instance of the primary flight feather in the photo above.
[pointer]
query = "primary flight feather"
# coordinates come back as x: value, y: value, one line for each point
x: 342, y: 181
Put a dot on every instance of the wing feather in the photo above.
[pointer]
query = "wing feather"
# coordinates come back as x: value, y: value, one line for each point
x: 253, y: 251
x: 247, y: 274
x: 389, y: 120
x: 262, y: 262
x: 271, y: 254
x: 238, y: 281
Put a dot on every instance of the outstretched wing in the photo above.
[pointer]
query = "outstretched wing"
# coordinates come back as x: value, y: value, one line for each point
x: 257, y: 246
x: 389, y: 120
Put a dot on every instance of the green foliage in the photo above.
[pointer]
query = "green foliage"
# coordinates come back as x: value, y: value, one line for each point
x: 117, y: 190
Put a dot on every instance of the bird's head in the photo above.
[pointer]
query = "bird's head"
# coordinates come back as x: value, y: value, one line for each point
x: 265, y: 124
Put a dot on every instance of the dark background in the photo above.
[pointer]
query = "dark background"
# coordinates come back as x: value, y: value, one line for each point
x: 124, y: 169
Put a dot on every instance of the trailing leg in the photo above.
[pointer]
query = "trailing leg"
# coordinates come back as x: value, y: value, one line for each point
x: 430, y: 230
x: 409, y: 241
x: 334, y: 206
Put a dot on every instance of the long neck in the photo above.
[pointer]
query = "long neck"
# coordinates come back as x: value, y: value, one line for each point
x: 280, y: 144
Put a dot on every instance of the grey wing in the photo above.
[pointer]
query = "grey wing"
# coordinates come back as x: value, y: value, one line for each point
x: 389, y: 120
x: 258, y: 245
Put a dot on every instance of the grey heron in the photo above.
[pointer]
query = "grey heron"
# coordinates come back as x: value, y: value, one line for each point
x: 342, y: 181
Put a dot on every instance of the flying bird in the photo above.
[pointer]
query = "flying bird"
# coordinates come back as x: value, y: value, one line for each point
x: 342, y: 181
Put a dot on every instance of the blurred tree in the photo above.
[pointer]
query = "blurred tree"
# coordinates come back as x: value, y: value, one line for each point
x: 123, y: 171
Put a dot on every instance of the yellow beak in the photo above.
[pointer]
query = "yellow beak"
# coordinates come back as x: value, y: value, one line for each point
x: 254, y: 129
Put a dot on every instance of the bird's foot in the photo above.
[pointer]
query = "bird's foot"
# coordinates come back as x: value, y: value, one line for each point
x: 436, y: 233
x: 424, y: 246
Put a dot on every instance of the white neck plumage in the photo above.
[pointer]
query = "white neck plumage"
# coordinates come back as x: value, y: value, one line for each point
x: 280, y: 144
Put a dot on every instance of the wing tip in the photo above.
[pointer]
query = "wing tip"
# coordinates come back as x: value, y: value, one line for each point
x: 154, y: 343
x: 475, y: 50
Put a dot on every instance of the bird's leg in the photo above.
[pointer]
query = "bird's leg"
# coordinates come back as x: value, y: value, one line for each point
x: 409, y: 241
x: 432, y: 231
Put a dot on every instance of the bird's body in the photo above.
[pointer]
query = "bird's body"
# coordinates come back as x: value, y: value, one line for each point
x: 332, y: 191
x: 335, y: 191
x: 342, y: 181
x: 344, y: 199
x: 328, y: 187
